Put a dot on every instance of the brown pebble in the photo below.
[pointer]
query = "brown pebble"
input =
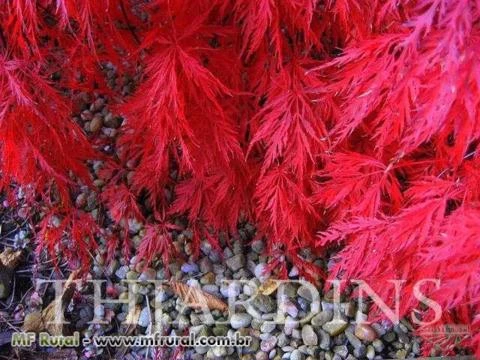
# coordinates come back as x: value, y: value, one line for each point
x: 365, y: 332
x: 96, y: 123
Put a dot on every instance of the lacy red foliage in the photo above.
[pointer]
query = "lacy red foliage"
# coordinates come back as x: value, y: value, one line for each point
x: 352, y: 123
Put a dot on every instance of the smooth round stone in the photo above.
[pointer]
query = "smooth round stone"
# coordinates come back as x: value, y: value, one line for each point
x: 189, y: 268
x: 370, y: 352
x: 261, y: 356
x: 219, y: 351
x: 335, y: 327
x: 242, y: 320
x: 144, y: 318
x: 272, y: 354
x: 352, y: 339
x: 365, y: 332
x: 290, y: 308
x: 268, y: 344
x: 296, y: 355
x: 208, y: 278
x: 267, y: 327
x: 308, y: 336
x: 99, y: 312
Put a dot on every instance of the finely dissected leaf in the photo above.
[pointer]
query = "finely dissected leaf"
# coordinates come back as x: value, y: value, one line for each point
x: 157, y: 241
x: 197, y: 298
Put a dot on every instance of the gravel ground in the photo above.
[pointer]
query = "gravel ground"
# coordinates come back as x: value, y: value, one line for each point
x: 331, y: 333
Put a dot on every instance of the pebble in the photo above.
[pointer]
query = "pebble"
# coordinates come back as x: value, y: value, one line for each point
x: 370, y: 352
x: 290, y: 308
x: 352, y: 339
x: 378, y: 345
x: 261, y: 356
x: 208, y: 278
x: 241, y: 320
x: 290, y: 324
x: 272, y: 354
x: 379, y: 328
x: 349, y: 309
x: 230, y: 290
x: 211, y: 289
x: 308, y: 336
x: 325, y: 340
x: 219, y: 351
x: 99, y: 312
x: 96, y: 123
x: 335, y: 327
x: 112, y: 121
x: 288, y: 290
x: 148, y: 274
x: 296, y: 355
x: 365, y: 332
x: 111, y: 268
x: 360, y: 351
x: 322, y: 318
x: 341, y: 350
x: 293, y: 272
x: 306, y: 293
x: 220, y: 330
x: 235, y: 262
x: 264, y: 303
x: 267, y: 327
x: 389, y: 337
x: 269, y: 343
x: 189, y: 268
x: 144, y: 318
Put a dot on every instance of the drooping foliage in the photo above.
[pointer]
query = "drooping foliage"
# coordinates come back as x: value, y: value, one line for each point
x: 327, y: 123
